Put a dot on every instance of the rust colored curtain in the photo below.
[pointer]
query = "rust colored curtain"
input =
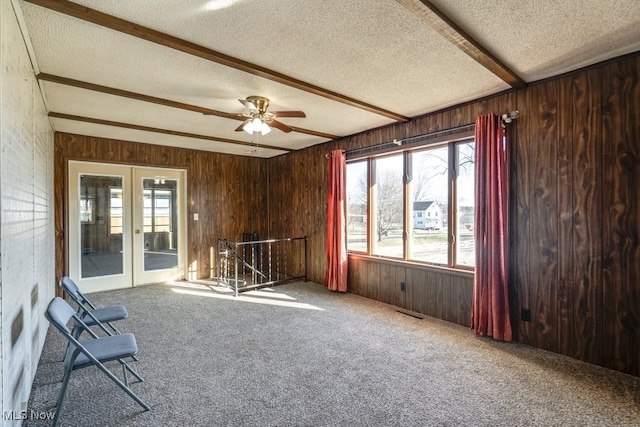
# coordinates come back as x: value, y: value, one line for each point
x: 335, y: 277
x: 490, y: 307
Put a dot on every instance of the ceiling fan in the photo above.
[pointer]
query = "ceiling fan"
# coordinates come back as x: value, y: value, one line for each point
x: 259, y: 119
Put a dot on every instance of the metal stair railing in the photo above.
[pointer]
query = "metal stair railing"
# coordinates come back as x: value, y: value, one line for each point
x: 260, y: 263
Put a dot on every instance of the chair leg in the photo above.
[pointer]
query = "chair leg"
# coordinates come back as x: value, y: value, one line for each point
x: 124, y: 374
x: 63, y: 389
x: 113, y: 328
x: 126, y: 366
x: 123, y: 386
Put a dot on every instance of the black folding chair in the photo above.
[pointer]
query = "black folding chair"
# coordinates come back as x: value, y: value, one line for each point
x: 92, y: 352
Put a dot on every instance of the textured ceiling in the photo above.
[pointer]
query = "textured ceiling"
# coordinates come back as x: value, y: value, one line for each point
x: 380, y: 53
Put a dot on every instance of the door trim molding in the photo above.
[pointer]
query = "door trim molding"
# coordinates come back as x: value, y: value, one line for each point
x: 118, y: 169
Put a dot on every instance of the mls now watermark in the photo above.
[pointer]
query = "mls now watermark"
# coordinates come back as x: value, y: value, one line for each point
x: 27, y: 415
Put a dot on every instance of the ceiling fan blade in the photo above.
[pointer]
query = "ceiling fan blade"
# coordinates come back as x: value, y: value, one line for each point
x: 241, y: 127
x: 289, y: 113
x: 227, y: 115
x: 249, y: 105
x: 279, y: 125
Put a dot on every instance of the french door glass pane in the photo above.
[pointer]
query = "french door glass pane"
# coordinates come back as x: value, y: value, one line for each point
x: 101, y: 225
x: 430, y: 188
x: 160, y: 231
x: 389, y: 206
x: 465, y: 185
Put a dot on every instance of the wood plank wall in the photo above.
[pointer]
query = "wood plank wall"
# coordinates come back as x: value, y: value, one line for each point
x: 228, y: 192
x: 575, y: 216
x: 578, y: 248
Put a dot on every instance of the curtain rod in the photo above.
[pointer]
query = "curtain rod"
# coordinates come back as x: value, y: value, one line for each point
x: 505, y: 119
x: 407, y: 141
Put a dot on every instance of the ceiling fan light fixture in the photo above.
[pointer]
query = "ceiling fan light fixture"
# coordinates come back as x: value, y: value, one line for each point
x: 259, y: 118
x: 252, y: 126
x: 264, y: 128
x: 257, y: 125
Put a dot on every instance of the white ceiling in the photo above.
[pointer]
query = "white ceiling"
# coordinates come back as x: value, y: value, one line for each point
x: 377, y: 52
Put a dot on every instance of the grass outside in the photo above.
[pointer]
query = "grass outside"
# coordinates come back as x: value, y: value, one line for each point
x: 394, y: 238
x: 428, y: 246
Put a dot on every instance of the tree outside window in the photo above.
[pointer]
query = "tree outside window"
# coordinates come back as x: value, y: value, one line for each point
x: 388, y: 202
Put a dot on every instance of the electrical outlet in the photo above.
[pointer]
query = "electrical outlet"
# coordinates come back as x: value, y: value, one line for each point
x: 403, y: 287
x: 525, y: 315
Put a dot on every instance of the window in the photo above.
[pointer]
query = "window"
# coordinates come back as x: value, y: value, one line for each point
x: 357, y: 200
x: 429, y: 192
x: 115, y: 210
x: 86, y: 210
x: 417, y: 205
x: 388, y: 205
x: 465, y: 202
x: 157, y: 211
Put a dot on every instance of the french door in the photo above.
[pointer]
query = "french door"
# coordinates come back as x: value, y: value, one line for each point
x: 125, y: 225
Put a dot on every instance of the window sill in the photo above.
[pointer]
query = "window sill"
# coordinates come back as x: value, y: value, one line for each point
x: 411, y: 264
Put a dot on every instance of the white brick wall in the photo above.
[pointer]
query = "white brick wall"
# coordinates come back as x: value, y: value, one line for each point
x: 26, y: 211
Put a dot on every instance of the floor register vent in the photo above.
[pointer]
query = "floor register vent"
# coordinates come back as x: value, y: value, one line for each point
x: 411, y: 313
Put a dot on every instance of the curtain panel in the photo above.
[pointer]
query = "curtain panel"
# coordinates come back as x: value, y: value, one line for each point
x: 336, y: 271
x: 490, y: 306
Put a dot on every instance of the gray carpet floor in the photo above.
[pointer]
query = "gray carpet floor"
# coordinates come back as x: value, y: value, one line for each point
x: 299, y: 355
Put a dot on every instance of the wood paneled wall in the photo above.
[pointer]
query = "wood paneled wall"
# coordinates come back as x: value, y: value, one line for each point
x: 298, y: 203
x: 575, y: 215
x: 433, y: 292
x: 577, y: 228
x: 229, y: 193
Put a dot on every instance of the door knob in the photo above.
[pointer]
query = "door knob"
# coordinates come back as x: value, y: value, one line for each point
x: 137, y: 231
